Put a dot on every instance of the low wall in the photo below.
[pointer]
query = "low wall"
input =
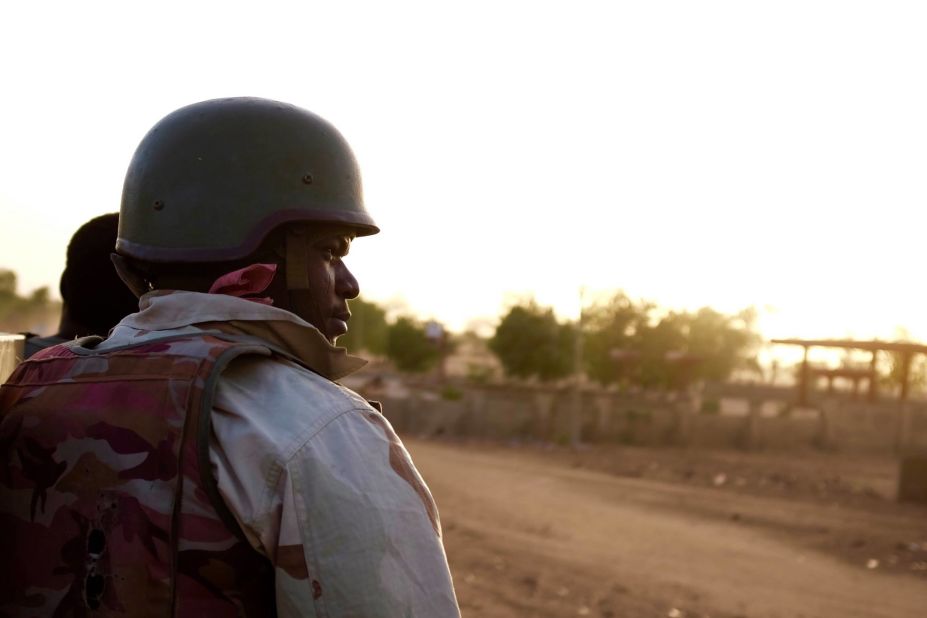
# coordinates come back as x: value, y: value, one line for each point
x: 763, y: 418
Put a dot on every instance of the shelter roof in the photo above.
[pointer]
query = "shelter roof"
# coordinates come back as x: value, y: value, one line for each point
x: 873, y: 345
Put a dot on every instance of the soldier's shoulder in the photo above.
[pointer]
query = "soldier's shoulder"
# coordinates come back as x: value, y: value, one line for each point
x: 288, y: 399
x: 322, y: 389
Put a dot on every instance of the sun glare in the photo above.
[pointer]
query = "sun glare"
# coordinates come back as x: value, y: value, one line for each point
x: 726, y: 155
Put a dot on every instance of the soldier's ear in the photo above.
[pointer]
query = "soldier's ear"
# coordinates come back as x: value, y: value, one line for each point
x: 134, y: 280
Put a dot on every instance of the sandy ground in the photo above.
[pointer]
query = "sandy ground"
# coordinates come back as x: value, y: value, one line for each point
x: 536, y: 531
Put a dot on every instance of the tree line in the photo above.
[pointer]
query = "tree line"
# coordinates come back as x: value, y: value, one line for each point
x: 623, y: 341
x: 35, y: 312
x: 404, y: 340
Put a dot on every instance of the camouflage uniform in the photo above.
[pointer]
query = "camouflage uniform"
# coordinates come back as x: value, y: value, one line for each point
x: 334, y: 519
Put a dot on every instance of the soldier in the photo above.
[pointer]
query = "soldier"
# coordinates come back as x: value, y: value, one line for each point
x: 93, y: 297
x: 202, y: 461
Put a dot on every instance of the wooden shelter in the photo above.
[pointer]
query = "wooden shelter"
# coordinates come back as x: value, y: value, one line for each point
x: 906, y: 350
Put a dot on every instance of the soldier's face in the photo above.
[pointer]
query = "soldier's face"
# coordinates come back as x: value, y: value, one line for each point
x: 331, y: 284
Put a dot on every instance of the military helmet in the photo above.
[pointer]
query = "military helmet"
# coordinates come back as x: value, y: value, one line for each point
x: 211, y: 180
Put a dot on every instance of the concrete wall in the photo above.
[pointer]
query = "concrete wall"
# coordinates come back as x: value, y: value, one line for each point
x: 720, y: 416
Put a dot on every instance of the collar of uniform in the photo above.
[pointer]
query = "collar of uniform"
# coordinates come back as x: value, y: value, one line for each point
x: 166, y: 310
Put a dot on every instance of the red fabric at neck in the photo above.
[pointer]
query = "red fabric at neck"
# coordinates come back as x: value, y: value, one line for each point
x: 246, y: 283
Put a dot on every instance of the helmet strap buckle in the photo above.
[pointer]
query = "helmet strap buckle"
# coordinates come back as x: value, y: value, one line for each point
x: 297, y: 259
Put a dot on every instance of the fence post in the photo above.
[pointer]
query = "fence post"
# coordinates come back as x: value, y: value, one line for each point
x: 604, y: 407
x: 827, y: 410
x: 752, y: 433
x: 545, y: 402
x: 474, y: 412
x: 903, y: 422
x: 687, y: 406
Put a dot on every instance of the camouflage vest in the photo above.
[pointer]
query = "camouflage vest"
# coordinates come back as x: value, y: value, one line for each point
x: 108, y: 504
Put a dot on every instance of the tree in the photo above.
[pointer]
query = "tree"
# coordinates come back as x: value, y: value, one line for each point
x: 720, y: 343
x: 655, y: 342
x: 368, y: 328
x: 409, y: 347
x: 7, y: 283
x: 725, y: 343
x: 608, y: 327
x: 36, y: 312
x: 715, y: 344
x: 530, y: 342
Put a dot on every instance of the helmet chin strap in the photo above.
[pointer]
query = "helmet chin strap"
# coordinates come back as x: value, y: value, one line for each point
x: 305, y: 296
x: 297, y: 274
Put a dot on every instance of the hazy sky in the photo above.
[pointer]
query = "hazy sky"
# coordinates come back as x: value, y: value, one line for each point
x: 692, y: 153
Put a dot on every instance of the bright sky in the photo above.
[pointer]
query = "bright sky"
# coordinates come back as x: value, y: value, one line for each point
x: 692, y: 153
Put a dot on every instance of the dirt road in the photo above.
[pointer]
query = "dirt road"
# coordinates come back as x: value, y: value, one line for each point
x: 529, y: 536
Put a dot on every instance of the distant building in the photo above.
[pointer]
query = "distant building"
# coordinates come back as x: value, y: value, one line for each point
x: 472, y: 358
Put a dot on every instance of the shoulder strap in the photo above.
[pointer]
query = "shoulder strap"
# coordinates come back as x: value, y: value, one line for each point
x: 243, y: 346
